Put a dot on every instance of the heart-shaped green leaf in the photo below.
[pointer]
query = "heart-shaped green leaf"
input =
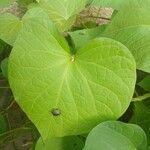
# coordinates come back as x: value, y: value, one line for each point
x: 62, y: 12
x: 115, y: 135
x: 70, y: 143
x: 64, y: 93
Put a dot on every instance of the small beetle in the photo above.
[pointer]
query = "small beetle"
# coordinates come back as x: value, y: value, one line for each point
x: 55, y: 111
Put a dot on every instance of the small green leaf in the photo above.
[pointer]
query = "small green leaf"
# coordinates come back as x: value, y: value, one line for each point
x: 4, y: 67
x: 10, y: 25
x: 3, y: 124
x: 141, y: 116
x: 82, y: 37
x: 43, y: 73
x: 62, y: 12
x: 115, y: 135
x: 65, y: 143
x: 145, y: 83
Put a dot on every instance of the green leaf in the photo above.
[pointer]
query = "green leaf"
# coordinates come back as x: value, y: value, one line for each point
x: 4, y: 67
x: 115, y: 135
x: 77, y: 91
x: 138, y: 42
x: 141, y: 116
x: 10, y: 25
x: 38, y: 16
x: 145, y: 83
x: 70, y: 143
x: 82, y: 37
x: 62, y: 12
x: 136, y: 38
x: 138, y: 14
x: 133, y: 30
x: 3, y: 124
x: 4, y: 3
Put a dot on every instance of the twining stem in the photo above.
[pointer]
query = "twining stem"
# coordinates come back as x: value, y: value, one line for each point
x: 136, y: 93
x: 9, y: 106
x: 140, y: 98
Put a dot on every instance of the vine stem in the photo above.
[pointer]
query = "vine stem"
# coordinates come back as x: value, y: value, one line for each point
x: 140, y: 98
x: 9, y: 106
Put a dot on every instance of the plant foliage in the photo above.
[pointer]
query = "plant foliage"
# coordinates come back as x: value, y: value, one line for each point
x: 71, y: 76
